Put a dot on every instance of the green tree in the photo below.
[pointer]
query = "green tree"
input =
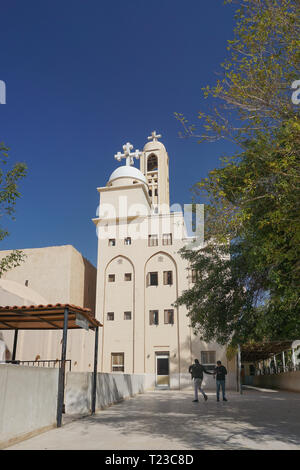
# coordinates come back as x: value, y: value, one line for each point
x: 248, y: 271
x: 9, y: 193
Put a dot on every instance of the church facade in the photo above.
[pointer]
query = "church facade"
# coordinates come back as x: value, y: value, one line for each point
x: 140, y: 274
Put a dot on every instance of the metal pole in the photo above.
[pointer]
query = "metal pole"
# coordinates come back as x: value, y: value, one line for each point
x: 15, y: 345
x: 61, y: 376
x: 283, y: 361
x: 294, y: 359
x: 94, y: 387
x: 240, y: 388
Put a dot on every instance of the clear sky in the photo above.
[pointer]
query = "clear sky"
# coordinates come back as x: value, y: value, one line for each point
x: 84, y: 77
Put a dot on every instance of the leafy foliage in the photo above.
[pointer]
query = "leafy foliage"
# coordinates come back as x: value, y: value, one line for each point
x: 249, y: 269
x: 9, y: 194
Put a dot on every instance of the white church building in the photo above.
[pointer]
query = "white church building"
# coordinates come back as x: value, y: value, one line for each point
x: 140, y: 274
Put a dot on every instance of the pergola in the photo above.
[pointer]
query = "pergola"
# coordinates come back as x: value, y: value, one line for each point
x: 261, y: 351
x: 53, y: 317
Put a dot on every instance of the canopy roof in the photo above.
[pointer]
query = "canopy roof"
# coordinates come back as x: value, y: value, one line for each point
x: 45, y: 317
x: 260, y: 351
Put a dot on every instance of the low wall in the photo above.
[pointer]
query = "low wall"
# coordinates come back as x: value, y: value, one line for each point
x: 286, y: 381
x: 28, y: 401
x: 111, y: 388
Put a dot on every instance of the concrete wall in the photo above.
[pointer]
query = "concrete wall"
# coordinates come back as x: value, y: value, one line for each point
x: 285, y: 381
x: 62, y: 275
x: 58, y: 274
x: 111, y: 388
x: 28, y: 402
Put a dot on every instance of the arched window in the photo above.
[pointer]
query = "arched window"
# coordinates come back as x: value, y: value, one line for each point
x: 152, y: 163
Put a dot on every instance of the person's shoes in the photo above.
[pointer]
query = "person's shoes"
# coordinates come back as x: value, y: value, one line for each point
x: 205, y: 397
x: 195, y: 400
x: 224, y: 399
x: 218, y: 399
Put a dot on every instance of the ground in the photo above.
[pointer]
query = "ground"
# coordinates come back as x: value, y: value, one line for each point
x: 167, y: 420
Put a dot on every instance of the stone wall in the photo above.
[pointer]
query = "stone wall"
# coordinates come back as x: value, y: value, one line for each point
x: 28, y: 401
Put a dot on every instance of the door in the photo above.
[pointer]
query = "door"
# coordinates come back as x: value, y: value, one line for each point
x: 162, y: 370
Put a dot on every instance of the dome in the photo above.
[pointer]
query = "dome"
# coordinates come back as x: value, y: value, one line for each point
x: 127, y: 171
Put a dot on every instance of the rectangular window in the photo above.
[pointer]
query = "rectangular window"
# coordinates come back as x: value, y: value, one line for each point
x: 127, y: 277
x: 152, y: 240
x: 152, y: 279
x: 153, y: 317
x: 117, y: 362
x: 110, y: 316
x: 169, y: 317
x: 127, y: 315
x: 111, y: 278
x: 127, y: 241
x: 168, y: 278
x: 194, y: 276
x: 112, y: 242
x: 167, y: 239
x: 208, y: 359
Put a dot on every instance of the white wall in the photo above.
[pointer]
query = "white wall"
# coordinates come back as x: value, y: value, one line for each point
x: 28, y: 401
x: 111, y: 388
x: 285, y: 381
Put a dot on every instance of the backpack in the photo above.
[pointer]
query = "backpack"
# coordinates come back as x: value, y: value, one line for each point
x: 196, y: 371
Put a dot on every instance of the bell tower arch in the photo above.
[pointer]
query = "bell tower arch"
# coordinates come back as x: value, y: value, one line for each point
x: 154, y: 164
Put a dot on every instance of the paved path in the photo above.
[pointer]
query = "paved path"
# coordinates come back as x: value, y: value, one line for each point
x: 167, y: 420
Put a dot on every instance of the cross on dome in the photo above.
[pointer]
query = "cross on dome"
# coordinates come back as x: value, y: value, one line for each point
x: 154, y: 137
x: 129, y: 156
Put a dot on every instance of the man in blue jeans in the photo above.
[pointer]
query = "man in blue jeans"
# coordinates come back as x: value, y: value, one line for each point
x: 220, y: 372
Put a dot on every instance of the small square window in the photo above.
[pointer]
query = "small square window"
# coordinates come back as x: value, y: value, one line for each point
x: 208, y: 359
x: 152, y: 240
x: 127, y: 277
x: 112, y: 242
x: 127, y: 241
x: 169, y: 317
x: 167, y: 239
x: 168, y: 278
x: 152, y: 279
x: 110, y: 316
x: 111, y: 278
x: 153, y: 317
x: 117, y: 362
x: 127, y: 315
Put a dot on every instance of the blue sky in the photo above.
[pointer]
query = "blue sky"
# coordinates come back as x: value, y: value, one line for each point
x: 83, y: 77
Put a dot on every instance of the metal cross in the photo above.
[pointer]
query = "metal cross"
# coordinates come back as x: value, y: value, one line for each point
x: 129, y: 156
x: 154, y: 137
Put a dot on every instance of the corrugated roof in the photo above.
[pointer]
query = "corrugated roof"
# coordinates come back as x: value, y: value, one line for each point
x: 44, y: 317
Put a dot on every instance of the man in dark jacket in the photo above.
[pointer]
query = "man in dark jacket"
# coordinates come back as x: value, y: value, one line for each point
x: 197, y: 370
x: 220, y: 372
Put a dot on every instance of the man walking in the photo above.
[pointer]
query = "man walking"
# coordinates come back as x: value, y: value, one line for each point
x: 197, y: 370
x: 220, y: 373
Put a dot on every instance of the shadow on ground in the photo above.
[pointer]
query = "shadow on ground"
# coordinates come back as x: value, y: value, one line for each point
x: 258, y: 420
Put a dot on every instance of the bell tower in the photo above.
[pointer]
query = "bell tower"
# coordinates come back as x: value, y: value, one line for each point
x: 154, y: 164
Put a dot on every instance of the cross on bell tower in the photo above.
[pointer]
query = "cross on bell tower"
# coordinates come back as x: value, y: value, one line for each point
x: 127, y: 155
x: 154, y: 137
